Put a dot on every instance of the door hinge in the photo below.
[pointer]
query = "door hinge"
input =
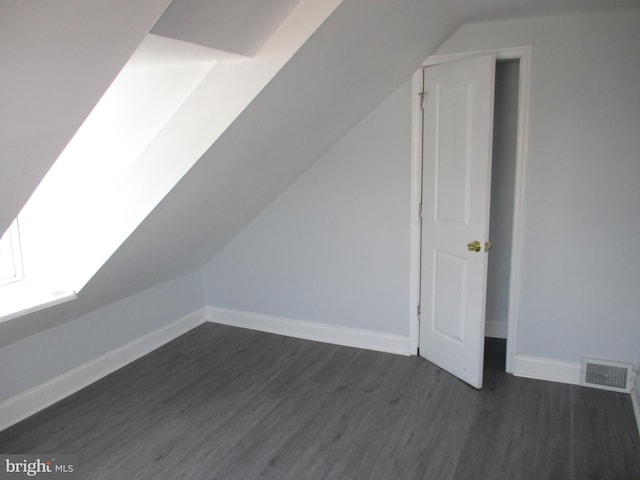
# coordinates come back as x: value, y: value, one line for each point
x: 422, y: 95
x: 420, y: 211
x: 418, y: 310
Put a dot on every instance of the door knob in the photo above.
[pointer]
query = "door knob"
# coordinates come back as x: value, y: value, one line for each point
x: 474, y: 246
x: 488, y: 246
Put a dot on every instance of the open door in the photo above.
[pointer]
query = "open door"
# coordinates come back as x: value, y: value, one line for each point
x: 456, y: 188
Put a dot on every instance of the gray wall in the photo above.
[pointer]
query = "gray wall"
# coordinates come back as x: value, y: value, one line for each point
x: 334, y: 247
x: 580, y: 267
x: 45, y: 355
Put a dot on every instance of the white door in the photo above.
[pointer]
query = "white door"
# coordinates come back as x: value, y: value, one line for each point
x: 456, y: 181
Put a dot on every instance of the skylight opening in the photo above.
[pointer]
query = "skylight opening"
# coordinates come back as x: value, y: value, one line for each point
x: 76, y: 219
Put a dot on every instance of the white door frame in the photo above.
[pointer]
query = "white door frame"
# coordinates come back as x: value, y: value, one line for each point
x: 523, y: 54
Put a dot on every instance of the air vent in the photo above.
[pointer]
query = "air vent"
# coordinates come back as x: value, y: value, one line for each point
x: 606, y: 375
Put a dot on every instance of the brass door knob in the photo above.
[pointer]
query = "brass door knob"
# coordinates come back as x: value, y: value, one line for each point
x: 474, y: 246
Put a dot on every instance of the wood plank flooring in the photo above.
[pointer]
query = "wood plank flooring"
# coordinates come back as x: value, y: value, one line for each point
x: 227, y: 403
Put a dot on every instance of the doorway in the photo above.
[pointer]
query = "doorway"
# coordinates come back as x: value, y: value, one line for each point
x: 506, y: 191
x: 505, y: 121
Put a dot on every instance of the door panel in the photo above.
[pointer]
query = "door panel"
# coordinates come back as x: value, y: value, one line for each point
x: 457, y: 134
x: 451, y: 156
x: 450, y: 274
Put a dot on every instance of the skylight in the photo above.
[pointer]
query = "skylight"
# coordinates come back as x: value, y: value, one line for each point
x: 59, y: 241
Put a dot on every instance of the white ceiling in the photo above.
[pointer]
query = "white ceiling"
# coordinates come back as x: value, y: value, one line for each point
x: 357, y: 57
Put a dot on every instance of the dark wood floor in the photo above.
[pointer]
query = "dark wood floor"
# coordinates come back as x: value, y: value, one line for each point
x: 227, y: 403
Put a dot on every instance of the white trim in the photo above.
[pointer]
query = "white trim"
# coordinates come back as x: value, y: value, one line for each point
x: 415, y: 222
x: 319, y: 332
x: 635, y: 399
x: 37, y: 398
x: 523, y: 54
x: 518, y: 205
x: 496, y: 329
x: 507, y: 53
x: 35, y: 302
x: 548, y: 369
x: 11, y: 239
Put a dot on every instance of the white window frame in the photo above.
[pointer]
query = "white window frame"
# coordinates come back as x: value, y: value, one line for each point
x: 11, y: 242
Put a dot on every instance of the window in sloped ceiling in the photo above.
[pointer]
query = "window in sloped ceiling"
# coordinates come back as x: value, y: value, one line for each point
x: 102, y: 185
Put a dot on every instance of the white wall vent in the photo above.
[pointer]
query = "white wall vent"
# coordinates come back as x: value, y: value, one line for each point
x: 606, y: 375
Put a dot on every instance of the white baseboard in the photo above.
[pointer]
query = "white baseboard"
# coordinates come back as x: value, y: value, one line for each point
x: 635, y: 399
x: 32, y: 401
x: 549, y: 369
x: 320, y: 332
x: 495, y: 329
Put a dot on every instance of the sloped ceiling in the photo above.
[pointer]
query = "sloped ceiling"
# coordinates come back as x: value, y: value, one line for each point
x: 357, y: 57
x: 239, y: 27
x: 56, y: 61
